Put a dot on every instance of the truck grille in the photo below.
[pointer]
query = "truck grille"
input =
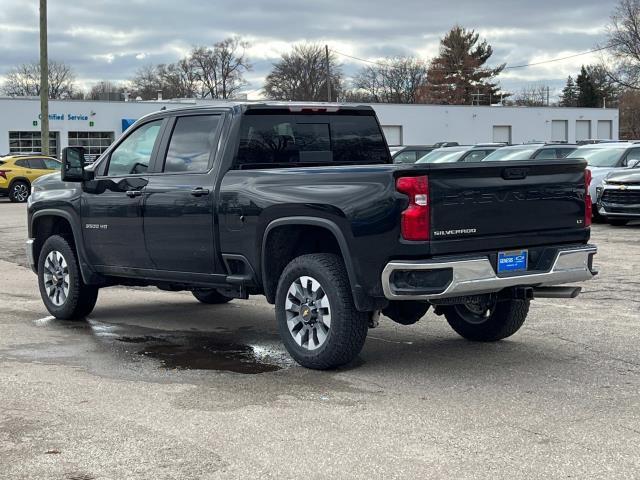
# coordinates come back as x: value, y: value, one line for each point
x: 621, y: 197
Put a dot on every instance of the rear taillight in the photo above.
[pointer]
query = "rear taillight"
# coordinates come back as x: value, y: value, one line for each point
x: 416, y: 221
x: 588, y: 205
x: 3, y: 173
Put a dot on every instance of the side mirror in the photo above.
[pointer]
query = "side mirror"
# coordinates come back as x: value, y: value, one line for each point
x: 72, y: 164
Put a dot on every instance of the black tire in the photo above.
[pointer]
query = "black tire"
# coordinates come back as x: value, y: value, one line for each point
x: 81, y: 298
x: 344, y: 338
x: 211, y: 297
x: 618, y: 222
x: 597, y: 218
x: 406, y: 312
x: 17, y: 191
x: 505, y: 319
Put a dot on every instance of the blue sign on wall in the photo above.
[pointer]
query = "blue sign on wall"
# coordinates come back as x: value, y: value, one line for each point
x: 127, y: 122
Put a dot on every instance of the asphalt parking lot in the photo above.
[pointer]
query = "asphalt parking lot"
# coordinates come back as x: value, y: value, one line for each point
x: 156, y: 385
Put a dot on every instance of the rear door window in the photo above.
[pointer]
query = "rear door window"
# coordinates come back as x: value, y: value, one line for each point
x: 23, y: 162
x: 37, y: 164
x: 406, y: 157
x: 192, y: 141
x: 475, y: 156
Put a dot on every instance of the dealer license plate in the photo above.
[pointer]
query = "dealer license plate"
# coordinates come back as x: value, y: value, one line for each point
x: 513, y: 261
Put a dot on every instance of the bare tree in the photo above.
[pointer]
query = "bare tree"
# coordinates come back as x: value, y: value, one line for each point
x: 302, y: 75
x: 146, y: 82
x: 624, y: 41
x: 219, y: 71
x: 24, y: 80
x: 106, y: 90
x: 396, y: 80
x: 531, y: 96
x: 630, y: 115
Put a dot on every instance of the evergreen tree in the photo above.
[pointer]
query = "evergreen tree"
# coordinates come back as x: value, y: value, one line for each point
x: 587, y: 94
x: 569, y: 95
x: 459, y: 73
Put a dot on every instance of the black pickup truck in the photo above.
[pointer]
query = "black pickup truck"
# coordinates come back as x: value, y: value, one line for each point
x: 302, y: 204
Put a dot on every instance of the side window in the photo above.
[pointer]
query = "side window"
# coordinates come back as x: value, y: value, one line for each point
x: 633, y: 155
x: 133, y: 154
x: 24, y: 163
x: 37, y: 164
x: 192, y: 141
x: 563, y: 152
x: 475, y: 156
x: 405, y: 157
x: 52, y: 164
x: 546, y: 153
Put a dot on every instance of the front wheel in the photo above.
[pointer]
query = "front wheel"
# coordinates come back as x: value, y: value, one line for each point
x: 63, y: 292
x: 487, y: 321
x: 317, y: 319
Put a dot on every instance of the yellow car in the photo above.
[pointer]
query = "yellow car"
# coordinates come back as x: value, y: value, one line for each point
x: 17, y: 172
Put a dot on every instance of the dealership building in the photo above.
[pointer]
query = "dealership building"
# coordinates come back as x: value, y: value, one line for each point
x: 94, y: 125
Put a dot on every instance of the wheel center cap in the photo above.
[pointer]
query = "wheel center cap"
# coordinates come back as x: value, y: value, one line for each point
x: 305, y: 312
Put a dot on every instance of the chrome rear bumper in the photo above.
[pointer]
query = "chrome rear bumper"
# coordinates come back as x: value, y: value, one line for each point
x: 472, y: 276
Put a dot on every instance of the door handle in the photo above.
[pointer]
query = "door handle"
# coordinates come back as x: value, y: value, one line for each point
x: 200, y: 192
x: 134, y: 193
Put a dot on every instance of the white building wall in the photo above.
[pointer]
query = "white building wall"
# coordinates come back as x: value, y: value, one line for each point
x: 420, y: 124
x: 426, y: 124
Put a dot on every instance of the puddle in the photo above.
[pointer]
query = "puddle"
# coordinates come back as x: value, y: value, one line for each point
x: 238, y: 351
x: 208, y: 355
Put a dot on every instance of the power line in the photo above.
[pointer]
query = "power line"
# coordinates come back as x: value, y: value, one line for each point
x: 524, y: 65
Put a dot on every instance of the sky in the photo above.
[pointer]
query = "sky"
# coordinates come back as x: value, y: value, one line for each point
x: 110, y: 40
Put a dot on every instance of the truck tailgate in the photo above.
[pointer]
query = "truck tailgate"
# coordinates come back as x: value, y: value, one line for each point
x: 506, y: 198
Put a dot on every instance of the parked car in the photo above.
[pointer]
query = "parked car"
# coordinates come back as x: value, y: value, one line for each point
x: 17, y: 173
x: 604, y: 158
x: 464, y: 153
x: 528, y: 151
x: 411, y: 153
x: 303, y: 204
x: 619, y: 197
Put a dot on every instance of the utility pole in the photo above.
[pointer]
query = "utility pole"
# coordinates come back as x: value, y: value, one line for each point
x: 44, y: 81
x: 328, y: 73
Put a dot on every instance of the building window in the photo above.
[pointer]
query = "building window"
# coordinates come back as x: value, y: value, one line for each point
x: 30, y: 142
x: 94, y: 143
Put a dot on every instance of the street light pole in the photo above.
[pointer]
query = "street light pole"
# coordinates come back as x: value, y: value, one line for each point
x: 44, y: 81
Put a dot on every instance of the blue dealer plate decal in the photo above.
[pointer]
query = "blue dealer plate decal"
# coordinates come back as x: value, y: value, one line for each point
x: 513, y: 261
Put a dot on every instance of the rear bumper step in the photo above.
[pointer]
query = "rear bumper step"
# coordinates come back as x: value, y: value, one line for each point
x: 471, y: 276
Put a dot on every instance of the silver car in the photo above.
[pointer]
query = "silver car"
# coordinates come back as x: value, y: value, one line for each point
x: 604, y: 158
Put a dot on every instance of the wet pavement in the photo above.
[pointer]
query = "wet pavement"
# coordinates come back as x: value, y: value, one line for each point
x: 156, y: 385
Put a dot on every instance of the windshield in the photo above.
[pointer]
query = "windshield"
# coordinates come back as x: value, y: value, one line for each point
x: 599, y: 157
x: 503, y: 154
x: 443, y: 156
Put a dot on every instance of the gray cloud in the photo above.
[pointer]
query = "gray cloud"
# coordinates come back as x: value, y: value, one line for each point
x: 111, y: 39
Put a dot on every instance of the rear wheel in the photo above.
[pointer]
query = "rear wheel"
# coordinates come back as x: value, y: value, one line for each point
x: 487, y: 321
x: 617, y: 222
x: 63, y: 292
x: 19, y: 192
x: 317, y: 319
x: 211, y: 297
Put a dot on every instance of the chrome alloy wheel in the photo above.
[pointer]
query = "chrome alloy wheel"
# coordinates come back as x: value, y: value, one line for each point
x: 308, y: 313
x: 20, y: 192
x: 56, y: 278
